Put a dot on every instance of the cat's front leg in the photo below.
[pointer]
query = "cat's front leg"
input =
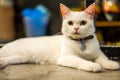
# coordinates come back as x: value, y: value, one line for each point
x: 79, y: 63
x: 106, y: 63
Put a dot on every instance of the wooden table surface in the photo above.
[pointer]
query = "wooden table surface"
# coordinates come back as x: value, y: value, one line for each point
x: 53, y: 72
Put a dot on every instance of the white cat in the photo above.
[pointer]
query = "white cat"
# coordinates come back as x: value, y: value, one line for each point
x: 77, y: 47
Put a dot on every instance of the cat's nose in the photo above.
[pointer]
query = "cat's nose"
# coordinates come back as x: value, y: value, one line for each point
x: 76, y: 29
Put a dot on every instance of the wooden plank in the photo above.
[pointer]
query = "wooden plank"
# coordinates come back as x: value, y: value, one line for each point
x: 107, y: 24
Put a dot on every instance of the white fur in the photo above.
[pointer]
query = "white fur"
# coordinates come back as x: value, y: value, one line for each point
x: 60, y: 49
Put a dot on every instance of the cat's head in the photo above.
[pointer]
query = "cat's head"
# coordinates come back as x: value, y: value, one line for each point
x: 78, y: 24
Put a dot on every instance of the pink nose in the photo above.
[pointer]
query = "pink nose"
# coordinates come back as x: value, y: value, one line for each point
x: 76, y: 29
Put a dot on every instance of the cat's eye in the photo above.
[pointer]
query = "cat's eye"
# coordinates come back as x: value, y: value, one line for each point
x: 70, y: 22
x: 83, y: 22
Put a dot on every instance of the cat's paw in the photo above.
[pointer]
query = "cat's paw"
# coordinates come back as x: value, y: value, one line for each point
x: 111, y: 65
x: 93, y: 67
x: 2, y: 64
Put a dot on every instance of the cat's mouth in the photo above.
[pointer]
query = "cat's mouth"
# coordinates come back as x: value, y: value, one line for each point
x: 76, y: 33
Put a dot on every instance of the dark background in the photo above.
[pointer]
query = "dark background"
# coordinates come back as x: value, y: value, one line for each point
x: 109, y: 33
x: 55, y: 22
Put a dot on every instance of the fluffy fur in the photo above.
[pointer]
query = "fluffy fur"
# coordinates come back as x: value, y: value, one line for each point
x: 62, y: 50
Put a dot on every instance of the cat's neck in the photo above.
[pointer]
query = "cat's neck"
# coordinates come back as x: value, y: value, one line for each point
x: 85, y: 38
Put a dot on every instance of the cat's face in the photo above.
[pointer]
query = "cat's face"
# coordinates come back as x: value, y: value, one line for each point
x: 78, y: 24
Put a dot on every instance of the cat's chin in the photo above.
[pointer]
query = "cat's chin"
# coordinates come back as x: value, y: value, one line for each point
x: 75, y: 36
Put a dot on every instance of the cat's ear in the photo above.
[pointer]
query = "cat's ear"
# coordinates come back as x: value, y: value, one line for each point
x: 90, y: 10
x: 64, y: 10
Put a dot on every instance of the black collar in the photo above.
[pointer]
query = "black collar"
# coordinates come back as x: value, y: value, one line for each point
x: 83, y: 39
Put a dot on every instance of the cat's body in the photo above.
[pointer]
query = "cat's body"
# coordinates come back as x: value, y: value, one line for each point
x: 42, y: 49
x: 67, y: 49
x: 36, y: 50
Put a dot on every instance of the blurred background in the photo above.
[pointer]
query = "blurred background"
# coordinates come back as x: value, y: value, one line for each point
x: 31, y: 18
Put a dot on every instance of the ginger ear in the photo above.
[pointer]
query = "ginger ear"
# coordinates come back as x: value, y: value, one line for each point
x: 64, y: 10
x: 90, y: 10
